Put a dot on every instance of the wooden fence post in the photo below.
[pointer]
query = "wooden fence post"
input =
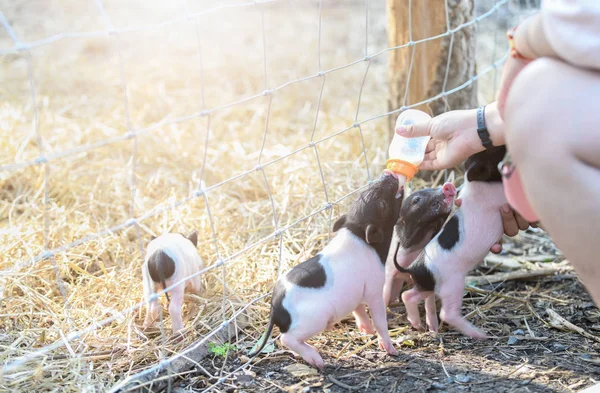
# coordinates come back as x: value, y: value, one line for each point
x: 430, y: 64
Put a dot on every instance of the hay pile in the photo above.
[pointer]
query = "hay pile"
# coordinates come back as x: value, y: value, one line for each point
x: 79, y: 98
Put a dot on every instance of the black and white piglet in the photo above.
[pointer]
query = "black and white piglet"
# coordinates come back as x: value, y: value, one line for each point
x: 169, y: 258
x: 461, y: 245
x: 422, y: 215
x: 347, y: 274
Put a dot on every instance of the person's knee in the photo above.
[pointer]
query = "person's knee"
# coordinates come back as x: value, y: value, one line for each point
x: 532, y: 119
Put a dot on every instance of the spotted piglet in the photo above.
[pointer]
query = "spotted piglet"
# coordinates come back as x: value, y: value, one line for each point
x: 422, y: 215
x: 170, y: 258
x: 461, y: 245
x: 347, y: 274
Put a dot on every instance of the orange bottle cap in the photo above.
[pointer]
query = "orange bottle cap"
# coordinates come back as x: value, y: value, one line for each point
x: 402, y: 167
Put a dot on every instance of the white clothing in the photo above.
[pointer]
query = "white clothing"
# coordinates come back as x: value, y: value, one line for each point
x: 573, y: 30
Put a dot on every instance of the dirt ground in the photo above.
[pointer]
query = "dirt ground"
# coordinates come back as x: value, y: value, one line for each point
x: 528, y: 350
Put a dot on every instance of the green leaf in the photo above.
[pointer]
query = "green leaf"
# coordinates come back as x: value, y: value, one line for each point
x: 221, y: 350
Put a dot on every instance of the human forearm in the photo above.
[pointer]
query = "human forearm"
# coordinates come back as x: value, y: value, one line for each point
x: 494, y: 124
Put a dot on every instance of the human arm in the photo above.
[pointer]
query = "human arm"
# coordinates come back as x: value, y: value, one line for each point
x: 454, y: 136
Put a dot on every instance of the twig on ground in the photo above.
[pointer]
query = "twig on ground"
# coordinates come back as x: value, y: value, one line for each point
x: 393, y: 389
x: 345, y: 386
x: 377, y: 370
x: 498, y: 378
x: 516, y: 275
x: 473, y: 289
x: 559, y: 322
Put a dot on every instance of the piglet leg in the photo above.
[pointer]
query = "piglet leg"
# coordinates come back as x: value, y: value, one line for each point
x: 196, y: 286
x: 393, y: 283
x: 362, y: 320
x: 377, y: 308
x: 451, y: 294
x: 151, y: 313
x: 431, y: 314
x: 151, y: 306
x: 412, y: 298
x: 391, y: 289
x: 175, y: 307
x: 308, y: 353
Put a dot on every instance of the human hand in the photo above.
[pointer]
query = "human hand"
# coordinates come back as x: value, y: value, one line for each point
x: 511, y: 221
x: 453, y: 138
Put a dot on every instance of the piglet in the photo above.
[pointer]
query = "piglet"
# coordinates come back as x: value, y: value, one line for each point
x: 422, y: 215
x: 347, y: 274
x: 461, y: 245
x: 170, y: 258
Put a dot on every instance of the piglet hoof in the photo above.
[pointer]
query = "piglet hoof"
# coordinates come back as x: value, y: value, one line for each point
x: 178, y: 331
x: 147, y: 325
x: 367, y: 329
x: 416, y: 325
x: 478, y: 335
x: 316, y: 362
x: 178, y: 337
x: 388, y: 346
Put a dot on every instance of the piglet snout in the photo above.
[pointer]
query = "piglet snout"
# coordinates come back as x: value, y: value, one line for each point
x: 449, y: 190
x: 387, y: 172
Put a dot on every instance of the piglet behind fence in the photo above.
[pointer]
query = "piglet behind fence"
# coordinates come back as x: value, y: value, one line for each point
x: 347, y: 274
x: 170, y: 258
x: 461, y: 245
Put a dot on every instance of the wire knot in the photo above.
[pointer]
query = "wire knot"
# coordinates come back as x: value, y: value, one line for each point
x: 198, y: 193
x: 41, y: 160
x: 45, y: 255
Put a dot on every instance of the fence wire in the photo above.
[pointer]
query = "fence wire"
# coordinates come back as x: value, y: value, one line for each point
x: 45, y: 159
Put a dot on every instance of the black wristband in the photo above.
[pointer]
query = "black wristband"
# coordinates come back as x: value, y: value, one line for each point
x: 482, y: 130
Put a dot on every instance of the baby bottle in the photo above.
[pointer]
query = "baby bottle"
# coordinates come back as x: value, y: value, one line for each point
x: 406, y: 154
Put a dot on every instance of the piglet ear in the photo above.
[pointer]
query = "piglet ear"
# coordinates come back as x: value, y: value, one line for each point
x: 339, y: 223
x: 152, y: 237
x: 374, y: 234
x: 193, y: 237
x: 481, y: 172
